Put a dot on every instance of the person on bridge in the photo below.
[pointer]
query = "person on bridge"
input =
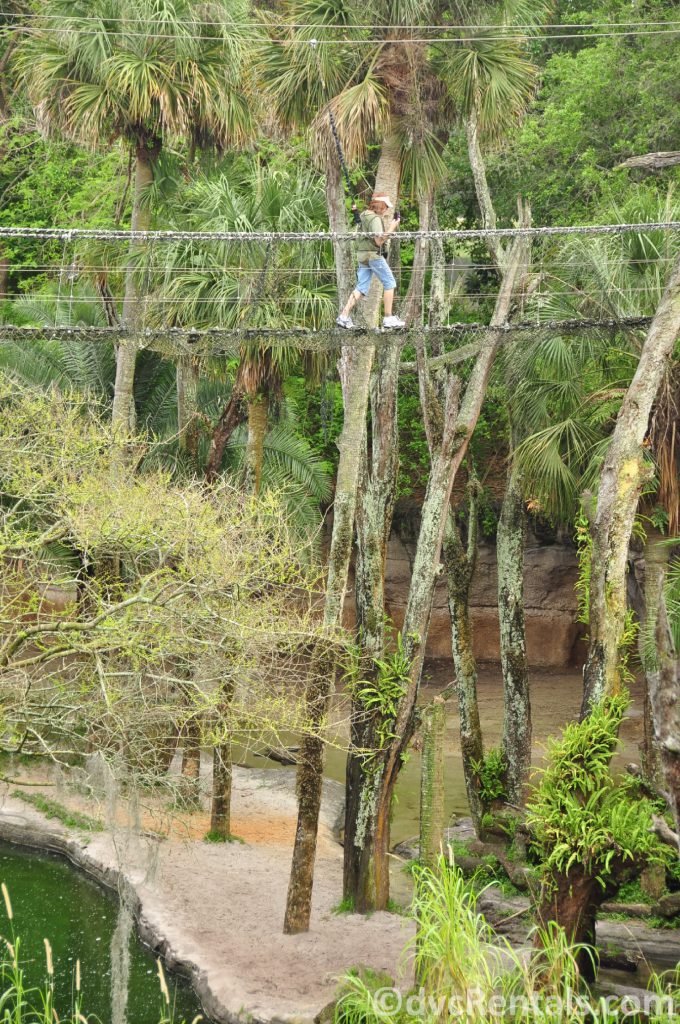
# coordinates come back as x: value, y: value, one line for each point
x: 372, y: 262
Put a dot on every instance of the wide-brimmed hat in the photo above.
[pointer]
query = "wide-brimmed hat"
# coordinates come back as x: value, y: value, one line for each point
x: 383, y: 199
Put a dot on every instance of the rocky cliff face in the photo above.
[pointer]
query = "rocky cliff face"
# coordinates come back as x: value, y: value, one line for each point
x: 550, y: 572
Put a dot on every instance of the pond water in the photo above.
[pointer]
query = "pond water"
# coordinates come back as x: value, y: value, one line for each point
x: 555, y: 700
x: 52, y: 900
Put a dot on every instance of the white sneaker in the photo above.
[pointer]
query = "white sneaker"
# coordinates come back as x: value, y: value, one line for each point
x: 345, y: 321
x: 393, y: 321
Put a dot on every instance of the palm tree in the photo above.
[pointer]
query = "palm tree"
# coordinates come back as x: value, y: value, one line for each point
x: 605, y: 278
x: 246, y: 285
x: 144, y: 71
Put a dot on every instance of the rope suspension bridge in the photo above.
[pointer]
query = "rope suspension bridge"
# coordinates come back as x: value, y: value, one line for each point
x: 252, y: 262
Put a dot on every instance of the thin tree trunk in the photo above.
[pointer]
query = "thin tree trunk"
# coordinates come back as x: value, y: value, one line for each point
x: 258, y: 417
x: 415, y: 297
x: 656, y: 557
x: 123, y: 417
x: 355, y: 370
x: 511, y: 539
x: 4, y: 277
x: 220, y: 811
x: 459, y: 566
x: 187, y: 407
x: 621, y: 480
x: 374, y: 522
x: 191, y: 762
x: 438, y: 311
x: 486, y: 207
x: 233, y: 414
x: 432, y: 782
x: 309, y: 790
x: 663, y: 676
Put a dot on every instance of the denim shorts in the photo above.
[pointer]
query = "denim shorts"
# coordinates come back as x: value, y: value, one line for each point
x: 378, y: 266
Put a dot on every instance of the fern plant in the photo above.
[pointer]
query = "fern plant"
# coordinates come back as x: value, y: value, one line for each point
x: 578, y: 814
x: 381, y: 695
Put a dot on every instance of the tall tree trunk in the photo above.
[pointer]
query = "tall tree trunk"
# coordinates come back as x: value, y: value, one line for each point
x: 187, y: 407
x: 621, y: 480
x: 459, y: 566
x: 258, y: 417
x: 355, y: 371
x: 452, y: 439
x: 123, y: 418
x: 511, y: 539
x: 432, y: 781
x: 438, y: 310
x: 374, y: 523
x: 656, y: 556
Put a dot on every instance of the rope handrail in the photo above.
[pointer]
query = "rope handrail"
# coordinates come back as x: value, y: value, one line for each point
x: 115, y: 234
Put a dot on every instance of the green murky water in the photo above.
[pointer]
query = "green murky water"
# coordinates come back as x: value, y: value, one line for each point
x: 50, y: 899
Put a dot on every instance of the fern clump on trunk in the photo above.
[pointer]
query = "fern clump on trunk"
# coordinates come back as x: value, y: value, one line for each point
x: 591, y: 832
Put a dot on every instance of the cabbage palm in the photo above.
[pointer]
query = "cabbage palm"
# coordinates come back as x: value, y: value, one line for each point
x: 248, y: 285
x: 144, y: 71
x: 569, y: 386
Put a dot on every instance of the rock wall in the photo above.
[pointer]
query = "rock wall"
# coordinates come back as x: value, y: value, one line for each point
x: 554, y: 638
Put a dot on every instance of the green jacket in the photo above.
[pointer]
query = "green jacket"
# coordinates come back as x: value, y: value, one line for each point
x: 366, y: 247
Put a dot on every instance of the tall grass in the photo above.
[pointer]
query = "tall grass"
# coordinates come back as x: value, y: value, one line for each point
x: 465, y: 972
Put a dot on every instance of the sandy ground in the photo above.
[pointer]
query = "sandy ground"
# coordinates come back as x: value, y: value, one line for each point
x: 216, y: 911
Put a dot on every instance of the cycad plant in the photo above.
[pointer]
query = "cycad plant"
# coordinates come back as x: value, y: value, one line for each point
x: 146, y: 71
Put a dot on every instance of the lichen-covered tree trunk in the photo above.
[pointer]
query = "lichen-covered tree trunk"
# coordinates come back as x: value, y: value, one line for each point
x: 123, y: 416
x: 220, y: 810
x: 438, y: 310
x: 355, y: 373
x: 374, y: 521
x: 623, y: 474
x: 662, y: 671
x: 656, y: 557
x: 459, y: 567
x: 258, y: 418
x: 510, y: 543
x: 337, y: 223
x: 433, y: 720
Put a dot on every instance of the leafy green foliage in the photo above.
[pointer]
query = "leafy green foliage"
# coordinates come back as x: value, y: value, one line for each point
x: 381, y: 695
x: 577, y: 814
x: 491, y: 775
